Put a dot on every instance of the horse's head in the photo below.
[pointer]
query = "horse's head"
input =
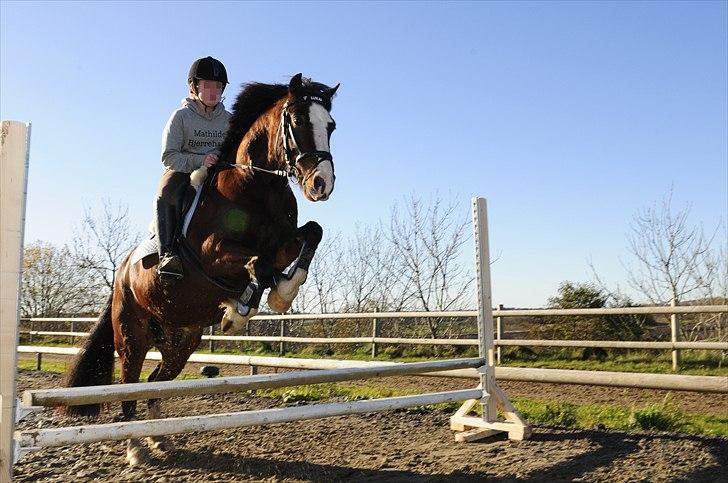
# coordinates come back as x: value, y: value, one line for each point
x: 306, y: 127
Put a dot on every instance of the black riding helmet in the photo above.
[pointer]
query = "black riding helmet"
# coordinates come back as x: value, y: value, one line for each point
x: 208, y: 69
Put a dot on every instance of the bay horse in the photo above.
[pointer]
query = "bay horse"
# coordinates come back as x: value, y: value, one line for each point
x: 243, y: 238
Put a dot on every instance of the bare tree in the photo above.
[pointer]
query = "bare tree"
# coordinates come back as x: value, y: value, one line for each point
x: 427, y: 242
x: 360, y: 267
x: 675, y: 260
x: 52, y: 285
x: 103, y: 240
x: 711, y: 276
x: 668, y: 253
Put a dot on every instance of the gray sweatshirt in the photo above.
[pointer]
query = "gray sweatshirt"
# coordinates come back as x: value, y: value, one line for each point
x: 191, y: 134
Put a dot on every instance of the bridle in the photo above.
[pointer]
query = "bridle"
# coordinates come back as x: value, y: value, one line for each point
x: 290, y: 146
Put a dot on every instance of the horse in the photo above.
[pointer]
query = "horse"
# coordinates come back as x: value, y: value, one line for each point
x: 243, y: 238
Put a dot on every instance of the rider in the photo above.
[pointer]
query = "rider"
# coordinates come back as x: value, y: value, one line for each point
x: 191, y: 138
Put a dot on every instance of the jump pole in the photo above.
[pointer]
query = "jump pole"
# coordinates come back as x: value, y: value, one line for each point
x: 473, y: 428
x: 14, y: 149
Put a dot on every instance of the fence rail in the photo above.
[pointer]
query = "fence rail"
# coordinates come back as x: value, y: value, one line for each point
x: 604, y: 344
x: 669, y: 382
x: 652, y: 310
x: 500, y: 313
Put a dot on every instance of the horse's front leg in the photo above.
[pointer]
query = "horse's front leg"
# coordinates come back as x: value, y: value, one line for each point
x: 307, y: 239
x: 228, y: 259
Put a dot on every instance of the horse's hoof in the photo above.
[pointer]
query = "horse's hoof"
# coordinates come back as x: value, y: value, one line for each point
x: 281, y: 296
x: 136, y: 455
x: 232, y: 321
x: 278, y: 303
x: 226, y: 325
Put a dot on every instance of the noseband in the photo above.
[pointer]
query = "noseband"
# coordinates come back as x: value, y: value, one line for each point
x: 290, y: 146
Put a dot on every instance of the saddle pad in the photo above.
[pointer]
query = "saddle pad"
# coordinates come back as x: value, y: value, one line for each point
x: 145, y: 248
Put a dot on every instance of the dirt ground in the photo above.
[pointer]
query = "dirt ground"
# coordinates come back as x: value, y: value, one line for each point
x: 393, y: 446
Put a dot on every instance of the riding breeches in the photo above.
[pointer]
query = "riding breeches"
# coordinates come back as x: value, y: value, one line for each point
x: 172, y: 187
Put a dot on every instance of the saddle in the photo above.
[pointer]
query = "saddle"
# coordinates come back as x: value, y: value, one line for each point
x: 191, y: 199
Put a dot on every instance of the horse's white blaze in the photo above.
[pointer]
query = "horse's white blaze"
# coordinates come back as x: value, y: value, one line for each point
x: 326, y: 171
x: 320, y: 119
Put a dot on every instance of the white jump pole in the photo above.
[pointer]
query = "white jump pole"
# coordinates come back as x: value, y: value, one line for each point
x: 41, y: 438
x: 164, y: 389
x: 14, y: 149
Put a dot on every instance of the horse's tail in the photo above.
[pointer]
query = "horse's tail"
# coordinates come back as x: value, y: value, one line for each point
x: 94, y: 364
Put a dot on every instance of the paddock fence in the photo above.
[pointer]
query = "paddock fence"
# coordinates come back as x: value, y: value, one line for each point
x: 502, y: 338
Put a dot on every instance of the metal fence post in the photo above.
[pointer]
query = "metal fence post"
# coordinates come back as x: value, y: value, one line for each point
x: 675, y: 336
x: 375, y: 334
x: 282, y: 345
x: 498, y: 334
x: 211, y: 345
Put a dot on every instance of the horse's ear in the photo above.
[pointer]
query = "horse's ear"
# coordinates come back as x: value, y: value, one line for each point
x: 296, y: 83
x: 332, y: 91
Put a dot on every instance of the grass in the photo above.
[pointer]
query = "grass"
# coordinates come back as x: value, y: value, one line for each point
x: 696, y: 363
x: 61, y: 367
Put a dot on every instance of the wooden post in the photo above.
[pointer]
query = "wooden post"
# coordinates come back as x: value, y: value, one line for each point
x: 14, y: 149
x: 499, y: 334
x: 282, y: 345
x: 211, y: 345
x: 30, y: 337
x: 73, y: 329
x: 375, y: 334
x: 38, y: 361
x: 675, y: 336
x: 485, y: 307
x: 473, y: 428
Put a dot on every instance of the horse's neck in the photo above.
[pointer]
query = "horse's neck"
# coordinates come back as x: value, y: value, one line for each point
x: 261, y: 146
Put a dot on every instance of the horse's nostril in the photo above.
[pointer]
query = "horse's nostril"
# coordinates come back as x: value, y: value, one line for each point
x: 319, y: 184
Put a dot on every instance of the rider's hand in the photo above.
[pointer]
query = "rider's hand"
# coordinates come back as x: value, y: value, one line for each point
x: 210, y: 159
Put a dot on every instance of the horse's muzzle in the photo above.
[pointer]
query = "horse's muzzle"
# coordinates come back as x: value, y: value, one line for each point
x: 321, y: 183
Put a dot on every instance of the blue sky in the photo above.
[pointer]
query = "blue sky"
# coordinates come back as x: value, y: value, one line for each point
x: 568, y: 117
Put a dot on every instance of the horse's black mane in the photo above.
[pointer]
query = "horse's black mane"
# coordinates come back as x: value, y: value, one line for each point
x: 251, y: 103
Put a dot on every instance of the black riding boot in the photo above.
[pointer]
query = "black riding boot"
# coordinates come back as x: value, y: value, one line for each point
x: 170, y: 265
